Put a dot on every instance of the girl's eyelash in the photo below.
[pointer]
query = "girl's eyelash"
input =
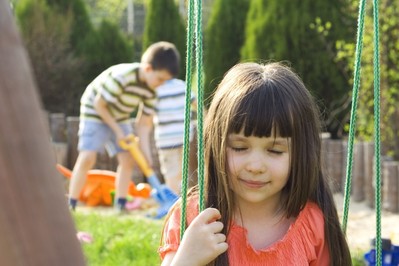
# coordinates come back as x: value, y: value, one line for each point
x: 275, y: 151
x: 238, y: 149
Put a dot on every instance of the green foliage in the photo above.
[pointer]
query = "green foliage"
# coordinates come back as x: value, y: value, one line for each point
x: 164, y: 23
x: 358, y: 257
x: 46, y: 36
x: 223, y: 39
x: 81, y: 26
x: 107, y: 46
x: 112, y: 10
x: 66, y: 51
x: 305, y: 33
x: 131, y: 240
x: 389, y: 79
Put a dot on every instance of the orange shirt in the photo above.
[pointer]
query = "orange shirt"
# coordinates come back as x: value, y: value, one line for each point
x: 304, y: 243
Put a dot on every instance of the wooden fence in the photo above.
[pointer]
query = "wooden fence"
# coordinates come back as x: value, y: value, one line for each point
x: 64, y: 130
x: 334, y: 155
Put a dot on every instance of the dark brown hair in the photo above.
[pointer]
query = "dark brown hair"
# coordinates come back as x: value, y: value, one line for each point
x: 163, y: 56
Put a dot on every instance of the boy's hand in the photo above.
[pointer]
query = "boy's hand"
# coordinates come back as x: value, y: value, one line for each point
x: 120, y: 135
x: 202, y: 242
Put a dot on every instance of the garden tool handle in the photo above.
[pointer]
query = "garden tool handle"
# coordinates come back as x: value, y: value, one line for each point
x: 130, y: 143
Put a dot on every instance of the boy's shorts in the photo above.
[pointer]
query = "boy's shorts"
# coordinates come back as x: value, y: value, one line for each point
x: 97, y: 136
x: 170, y: 161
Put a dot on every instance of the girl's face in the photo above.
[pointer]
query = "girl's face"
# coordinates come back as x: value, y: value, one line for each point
x: 258, y: 168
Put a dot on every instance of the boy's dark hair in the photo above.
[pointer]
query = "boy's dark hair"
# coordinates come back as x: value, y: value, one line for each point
x: 163, y: 56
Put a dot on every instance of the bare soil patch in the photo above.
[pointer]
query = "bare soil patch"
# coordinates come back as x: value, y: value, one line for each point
x: 361, y: 227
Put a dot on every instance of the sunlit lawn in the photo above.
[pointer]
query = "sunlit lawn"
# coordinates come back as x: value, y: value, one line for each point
x: 120, y: 240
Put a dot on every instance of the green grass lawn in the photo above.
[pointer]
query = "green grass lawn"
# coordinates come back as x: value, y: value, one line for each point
x: 130, y: 240
x: 120, y: 240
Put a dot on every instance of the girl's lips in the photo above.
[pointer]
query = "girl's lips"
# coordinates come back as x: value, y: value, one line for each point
x: 253, y: 184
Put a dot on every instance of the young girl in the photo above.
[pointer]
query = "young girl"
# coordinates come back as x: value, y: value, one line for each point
x: 268, y: 202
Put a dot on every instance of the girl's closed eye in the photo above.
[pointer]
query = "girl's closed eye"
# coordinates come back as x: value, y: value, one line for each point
x: 238, y: 148
x: 275, y: 151
x: 279, y: 147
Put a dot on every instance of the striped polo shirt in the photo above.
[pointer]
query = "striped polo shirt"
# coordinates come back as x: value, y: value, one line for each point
x: 169, y: 118
x: 119, y: 86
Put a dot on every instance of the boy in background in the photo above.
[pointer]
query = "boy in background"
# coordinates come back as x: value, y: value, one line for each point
x: 169, y: 130
x: 106, y: 106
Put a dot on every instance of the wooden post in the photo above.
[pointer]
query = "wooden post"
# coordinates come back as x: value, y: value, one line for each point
x: 193, y: 161
x: 58, y: 127
x: 344, y: 164
x: 35, y: 224
x: 57, y: 130
x: 390, y: 186
x: 369, y: 186
x: 334, y: 163
x: 60, y: 151
x: 72, y: 137
x: 358, y: 173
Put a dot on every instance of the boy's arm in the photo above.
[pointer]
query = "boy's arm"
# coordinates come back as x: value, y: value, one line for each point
x: 144, y: 125
x: 100, y: 105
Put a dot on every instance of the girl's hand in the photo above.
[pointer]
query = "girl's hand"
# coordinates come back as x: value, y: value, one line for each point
x: 202, y: 242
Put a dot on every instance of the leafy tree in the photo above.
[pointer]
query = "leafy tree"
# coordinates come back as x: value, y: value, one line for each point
x: 389, y: 79
x: 305, y: 34
x: 164, y: 23
x: 108, y: 47
x: 223, y: 39
x: 111, y: 10
x: 83, y: 36
x: 46, y: 36
x: 66, y: 51
x: 81, y: 25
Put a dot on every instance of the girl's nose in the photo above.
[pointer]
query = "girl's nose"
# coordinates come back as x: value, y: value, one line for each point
x: 256, y: 164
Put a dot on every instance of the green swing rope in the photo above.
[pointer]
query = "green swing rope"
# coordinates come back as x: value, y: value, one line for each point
x: 197, y: 10
x: 187, y: 119
x: 377, y: 152
x: 200, y: 96
x: 352, y: 129
x: 377, y: 137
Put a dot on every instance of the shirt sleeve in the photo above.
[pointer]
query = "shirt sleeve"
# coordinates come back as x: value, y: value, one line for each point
x: 171, y: 234
x: 149, y: 105
x: 109, y: 85
x: 171, y: 231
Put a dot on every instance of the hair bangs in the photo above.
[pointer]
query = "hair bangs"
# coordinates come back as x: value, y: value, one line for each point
x: 263, y: 112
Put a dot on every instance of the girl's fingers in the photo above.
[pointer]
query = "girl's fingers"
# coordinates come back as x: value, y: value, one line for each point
x: 204, y: 234
x: 215, y: 227
x: 207, y: 216
x: 221, y: 247
x: 220, y: 238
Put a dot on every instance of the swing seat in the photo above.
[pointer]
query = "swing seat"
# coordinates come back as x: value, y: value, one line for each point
x: 390, y: 253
